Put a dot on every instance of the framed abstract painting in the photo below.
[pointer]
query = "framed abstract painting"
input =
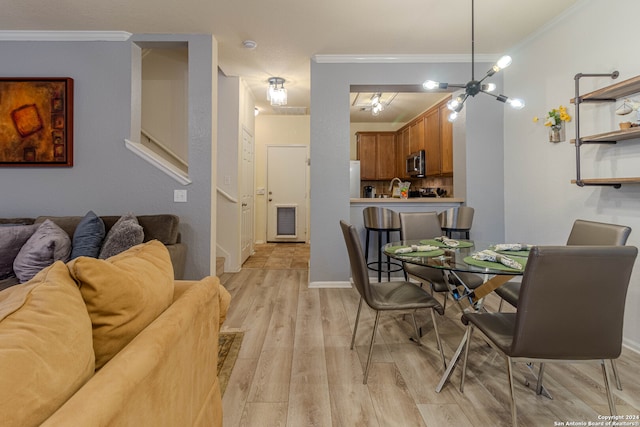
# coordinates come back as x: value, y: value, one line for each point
x: 36, y: 121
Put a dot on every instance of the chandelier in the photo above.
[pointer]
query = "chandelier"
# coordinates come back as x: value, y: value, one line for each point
x: 474, y: 87
x: 277, y: 95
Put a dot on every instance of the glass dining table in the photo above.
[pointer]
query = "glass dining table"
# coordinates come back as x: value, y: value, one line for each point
x: 455, y: 258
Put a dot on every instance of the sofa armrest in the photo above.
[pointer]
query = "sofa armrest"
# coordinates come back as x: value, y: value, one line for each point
x: 166, y: 376
x: 178, y: 254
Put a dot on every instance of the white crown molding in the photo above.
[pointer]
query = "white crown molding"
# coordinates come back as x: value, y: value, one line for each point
x: 83, y: 36
x: 402, y: 59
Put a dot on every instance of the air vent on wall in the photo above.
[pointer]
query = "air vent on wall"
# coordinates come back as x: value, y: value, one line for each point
x: 290, y: 111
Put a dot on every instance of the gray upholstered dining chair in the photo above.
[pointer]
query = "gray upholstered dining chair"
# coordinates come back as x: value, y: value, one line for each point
x: 546, y: 328
x: 424, y: 225
x: 386, y: 296
x: 582, y: 233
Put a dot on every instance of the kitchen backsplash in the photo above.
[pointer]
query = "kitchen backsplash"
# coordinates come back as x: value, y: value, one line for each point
x: 444, y: 183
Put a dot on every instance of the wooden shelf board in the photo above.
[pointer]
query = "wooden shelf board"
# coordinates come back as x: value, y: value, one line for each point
x: 609, y: 181
x: 615, y: 91
x: 613, y: 136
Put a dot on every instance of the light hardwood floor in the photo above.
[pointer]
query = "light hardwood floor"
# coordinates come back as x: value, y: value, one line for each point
x: 295, y: 367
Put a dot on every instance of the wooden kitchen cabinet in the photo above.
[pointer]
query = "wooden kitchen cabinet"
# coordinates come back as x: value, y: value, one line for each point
x: 416, y: 135
x: 377, y: 155
x: 403, y: 149
x: 432, y: 142
x: 446, y: 141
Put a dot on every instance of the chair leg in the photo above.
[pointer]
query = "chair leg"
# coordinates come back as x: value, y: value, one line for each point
x: 500, y: 305
x: 444, y: 304
x: 514, y: 414
x: 466, y: 355
x: 616, y: 375
x: 415, y: 328
x: 438, y: 341
x: 355, y: 328
x: 540, y: 375
x: 612, y: 403
x: 373, y: 337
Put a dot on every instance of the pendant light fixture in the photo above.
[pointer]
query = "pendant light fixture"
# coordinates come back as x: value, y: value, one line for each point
x: 474, y: 87
x: 277, y: 95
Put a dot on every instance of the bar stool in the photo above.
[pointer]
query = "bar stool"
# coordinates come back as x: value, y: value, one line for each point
x: 381, y: 221
x: 456, y: 220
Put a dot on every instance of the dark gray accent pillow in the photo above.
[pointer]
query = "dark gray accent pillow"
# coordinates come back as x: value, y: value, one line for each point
x: 124, y: 234
x: 88, y: 237
x: 49, y: 243
x: 12, y: 238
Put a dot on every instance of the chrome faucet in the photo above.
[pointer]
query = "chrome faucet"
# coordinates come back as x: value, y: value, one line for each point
x: 394, y: 180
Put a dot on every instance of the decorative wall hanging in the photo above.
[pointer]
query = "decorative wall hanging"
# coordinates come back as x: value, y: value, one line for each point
x: 36, y: 121
x: 555, y: 120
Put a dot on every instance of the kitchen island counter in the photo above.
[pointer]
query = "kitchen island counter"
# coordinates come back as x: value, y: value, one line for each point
x: 380, y: 201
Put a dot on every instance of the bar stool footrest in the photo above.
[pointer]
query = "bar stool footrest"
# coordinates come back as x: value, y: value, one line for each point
x: 392, y: 267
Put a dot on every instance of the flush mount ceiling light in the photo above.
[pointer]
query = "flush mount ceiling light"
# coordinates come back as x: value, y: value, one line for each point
x: 375, y: 102
x: 277, y: 95
x: 474, y: 87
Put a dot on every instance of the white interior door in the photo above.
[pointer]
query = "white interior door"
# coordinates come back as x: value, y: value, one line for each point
x: 246, y: 232
x: 287, y: 177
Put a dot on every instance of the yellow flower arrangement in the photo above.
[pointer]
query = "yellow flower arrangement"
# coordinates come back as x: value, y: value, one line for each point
x: 555, y: 117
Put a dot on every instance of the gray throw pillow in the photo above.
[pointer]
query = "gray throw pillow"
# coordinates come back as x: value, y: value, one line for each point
x: 49, y: 243
x: 12, y: 238
x: 88, y: 236
x: 124, y: 234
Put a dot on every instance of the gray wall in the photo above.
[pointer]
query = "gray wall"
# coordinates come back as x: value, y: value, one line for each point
x: 107, y: 178
x: 330, y: 154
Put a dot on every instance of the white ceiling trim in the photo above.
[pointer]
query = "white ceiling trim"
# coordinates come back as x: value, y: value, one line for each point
x: 116, y: 36
x: 406, y: 59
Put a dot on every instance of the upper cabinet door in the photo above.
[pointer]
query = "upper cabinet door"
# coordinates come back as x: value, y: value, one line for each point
x: 446, y: 141
x: 432, y: 142
x: 367, y: 155
x: 386, y: 156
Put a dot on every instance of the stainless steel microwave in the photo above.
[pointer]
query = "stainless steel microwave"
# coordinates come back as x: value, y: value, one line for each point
x: 416, y: 166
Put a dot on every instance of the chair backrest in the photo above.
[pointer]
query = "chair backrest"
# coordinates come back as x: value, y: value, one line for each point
x: 598, y: 233
x: 419, y: 225
x: 359, y: 271
x: 378, y: 218
x: 460, y: 218
x: 563, y: 310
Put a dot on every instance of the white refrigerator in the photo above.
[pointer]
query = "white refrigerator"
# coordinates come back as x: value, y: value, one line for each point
x: 354, y: 179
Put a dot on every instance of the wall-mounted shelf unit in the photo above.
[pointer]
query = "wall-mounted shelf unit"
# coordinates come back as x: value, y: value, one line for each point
x: 606, y: 94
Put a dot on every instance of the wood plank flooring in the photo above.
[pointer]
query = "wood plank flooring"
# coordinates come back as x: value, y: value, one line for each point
x: 295, y: 367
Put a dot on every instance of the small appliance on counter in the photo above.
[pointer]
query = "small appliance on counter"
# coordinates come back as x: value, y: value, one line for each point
x: 369, y: 192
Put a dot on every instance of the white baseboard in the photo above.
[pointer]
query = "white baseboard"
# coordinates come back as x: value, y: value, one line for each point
x: 631, y: 345
x: 345, y: 285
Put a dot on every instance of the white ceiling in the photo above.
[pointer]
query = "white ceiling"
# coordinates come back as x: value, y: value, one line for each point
x: 290, y: 32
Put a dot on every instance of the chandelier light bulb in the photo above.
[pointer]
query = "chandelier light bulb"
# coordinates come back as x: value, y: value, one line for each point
x: 516, y: 103
x: 489, y: 87
x: 453, y: 116
x: 430, y: 85
x: 503, y: 62
x: 453, y: 104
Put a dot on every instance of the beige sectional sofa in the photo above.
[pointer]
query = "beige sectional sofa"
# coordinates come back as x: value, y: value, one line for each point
x: 115, y: 342
x: 161, y: 227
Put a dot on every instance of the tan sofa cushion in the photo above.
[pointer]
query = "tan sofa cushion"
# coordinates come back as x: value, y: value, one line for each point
x: 46, y: 351
x: 124, y: 294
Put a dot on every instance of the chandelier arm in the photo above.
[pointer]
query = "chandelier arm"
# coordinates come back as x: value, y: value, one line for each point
x: 489, y: 93
x: 458, y: 86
